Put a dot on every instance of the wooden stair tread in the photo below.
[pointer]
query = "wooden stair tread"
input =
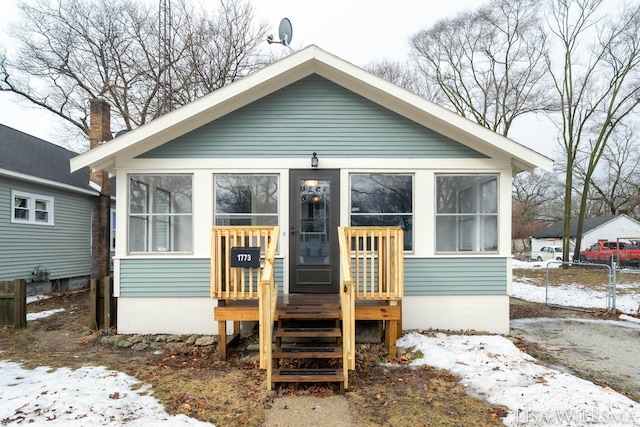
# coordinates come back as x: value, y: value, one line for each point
x: 308, y: 353
x: 308, y: 314
x: 309, y: 332
x: 307, y: 375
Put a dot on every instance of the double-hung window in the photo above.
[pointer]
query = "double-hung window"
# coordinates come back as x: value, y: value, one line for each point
x: 383, y: 200
x: 245, y: 199
x: 160, y: 213
x: 31, y: 208
x: 467, y: 213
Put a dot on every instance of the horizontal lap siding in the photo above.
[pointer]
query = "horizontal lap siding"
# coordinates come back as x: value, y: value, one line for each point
x: 64, y: 248
x: 455, y: 276
x: 313, y: 114
x: 186, y: 277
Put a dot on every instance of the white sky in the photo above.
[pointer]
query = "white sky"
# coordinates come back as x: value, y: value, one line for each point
x: 359, y: 31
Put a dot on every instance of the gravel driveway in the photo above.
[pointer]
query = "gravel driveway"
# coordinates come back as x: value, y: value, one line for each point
x: 604, y: 351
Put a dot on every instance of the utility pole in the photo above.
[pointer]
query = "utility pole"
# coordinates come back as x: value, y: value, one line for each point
x: 164, y: 60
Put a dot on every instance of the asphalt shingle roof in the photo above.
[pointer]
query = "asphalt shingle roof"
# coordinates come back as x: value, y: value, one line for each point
x: 557, y: 229
x: 28, y: 155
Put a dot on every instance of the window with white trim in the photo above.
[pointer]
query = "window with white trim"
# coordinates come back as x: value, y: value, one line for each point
x: 160, y: 213
x: 112, y: 233
x: 383, y: 200
x: 31, y: 208
x: 467, y: 213
x: 245, y: 199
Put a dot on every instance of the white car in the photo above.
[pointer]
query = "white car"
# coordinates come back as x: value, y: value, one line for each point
x: 550, y: 252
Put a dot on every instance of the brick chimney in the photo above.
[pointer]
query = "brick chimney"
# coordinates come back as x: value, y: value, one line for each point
x: 99, y: 132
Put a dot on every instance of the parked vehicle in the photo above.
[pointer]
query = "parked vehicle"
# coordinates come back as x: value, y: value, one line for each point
x: 604, y: 252
x: 550, y: 252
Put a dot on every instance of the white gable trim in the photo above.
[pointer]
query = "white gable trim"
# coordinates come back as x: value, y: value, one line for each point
x: 287, y: 71
x: 47, y: 182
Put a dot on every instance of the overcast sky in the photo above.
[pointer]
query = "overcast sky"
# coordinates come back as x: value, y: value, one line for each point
x: 359, y: 31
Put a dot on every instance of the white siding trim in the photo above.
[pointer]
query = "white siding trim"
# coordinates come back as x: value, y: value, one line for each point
x: 48, y: 182
x: 167, y: 316
x: 488, y: 313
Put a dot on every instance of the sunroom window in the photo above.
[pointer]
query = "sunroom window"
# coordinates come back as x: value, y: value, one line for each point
x: 467, y: 213
x: 160, y: 213
x: 383, y: 200
x: 246, y: 199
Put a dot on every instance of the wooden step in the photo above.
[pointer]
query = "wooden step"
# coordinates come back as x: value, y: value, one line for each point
x: 307, y: 375
x: 307, y: 313
x: 308, y: 332
x: 308, y: 353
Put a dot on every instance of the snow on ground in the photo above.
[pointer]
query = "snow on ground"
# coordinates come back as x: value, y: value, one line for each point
x: 569, y: 294
x: 89, y: 396
x: 494, y: 369
x: 43, y: 314
x: 491, y: 368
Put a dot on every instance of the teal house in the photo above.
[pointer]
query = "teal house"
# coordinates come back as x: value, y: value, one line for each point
x: 311, y: 143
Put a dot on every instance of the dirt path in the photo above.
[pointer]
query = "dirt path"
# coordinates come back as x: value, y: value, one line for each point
x: 603, y: 351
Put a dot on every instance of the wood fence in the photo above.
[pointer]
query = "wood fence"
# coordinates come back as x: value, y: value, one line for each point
x: 13, y: 303
x: 103, y: 306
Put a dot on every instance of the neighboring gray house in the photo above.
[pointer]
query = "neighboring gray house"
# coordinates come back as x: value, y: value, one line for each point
x: 597, y: 228
x: 45, y: 214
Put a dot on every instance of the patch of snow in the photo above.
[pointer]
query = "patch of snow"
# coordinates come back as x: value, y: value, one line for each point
x: 85, y: 397
x: 34, y: 298
x: 629, y: 318
x: 43, y: 314
x: 574, y: 296
x: 495, y: 370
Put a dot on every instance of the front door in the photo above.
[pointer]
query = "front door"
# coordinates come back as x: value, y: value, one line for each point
x: 313, y: 235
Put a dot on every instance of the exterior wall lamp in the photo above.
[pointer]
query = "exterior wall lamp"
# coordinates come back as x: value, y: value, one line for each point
x: 314, y: 160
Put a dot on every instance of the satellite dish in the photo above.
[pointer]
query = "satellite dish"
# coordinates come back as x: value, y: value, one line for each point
x: 285, y: 31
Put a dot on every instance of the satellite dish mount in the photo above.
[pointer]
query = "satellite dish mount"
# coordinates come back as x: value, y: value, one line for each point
x: 285, y: 32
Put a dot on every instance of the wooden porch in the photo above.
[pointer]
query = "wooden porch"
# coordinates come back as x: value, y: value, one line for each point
x: 309, y: 326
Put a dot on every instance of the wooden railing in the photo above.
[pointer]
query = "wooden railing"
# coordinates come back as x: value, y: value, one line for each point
x: 377, y: 262
x: 347, y: 302
x: 247, y: 283
x: 238, y: 283
x: 372, y: 265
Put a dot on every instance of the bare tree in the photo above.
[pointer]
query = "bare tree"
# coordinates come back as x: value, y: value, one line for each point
x: 70, y: 51
x: 615, y: 183
x: 533, y: 205
x: 396, y: 72
x: 487, y: 64
x: 597, y: 94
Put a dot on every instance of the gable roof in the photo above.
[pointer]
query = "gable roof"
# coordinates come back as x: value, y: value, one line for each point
x: 556, y: 230
x: 26, y: 157
x: 311, y: 60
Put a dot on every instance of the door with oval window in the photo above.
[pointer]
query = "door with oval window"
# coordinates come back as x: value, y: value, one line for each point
x: 313, y: 235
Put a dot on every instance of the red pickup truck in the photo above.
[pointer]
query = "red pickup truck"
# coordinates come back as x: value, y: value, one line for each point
x: 603, y: 252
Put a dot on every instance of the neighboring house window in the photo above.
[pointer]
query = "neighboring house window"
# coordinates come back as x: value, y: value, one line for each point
x: 31, y: 208
x: 160, y: 213
x: 467, y: 213
x: 245, y: 199
x: 383, y: 200
x: 112, y: 235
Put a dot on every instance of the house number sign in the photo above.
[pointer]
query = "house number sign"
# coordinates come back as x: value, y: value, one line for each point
x: 247, y: 257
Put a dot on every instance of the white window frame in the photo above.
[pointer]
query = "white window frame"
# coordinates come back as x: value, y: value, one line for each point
x: 411, y: 214
x: 150, y: 214
x: 32, y: 201
x: 112, y: 227
x: 471, y: 244
x: 252, y: 215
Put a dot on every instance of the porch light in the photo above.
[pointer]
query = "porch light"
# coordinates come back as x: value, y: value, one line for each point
x: 314, y: 160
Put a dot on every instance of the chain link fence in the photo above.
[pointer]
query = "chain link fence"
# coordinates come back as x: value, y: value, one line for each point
x: 580, y: 286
